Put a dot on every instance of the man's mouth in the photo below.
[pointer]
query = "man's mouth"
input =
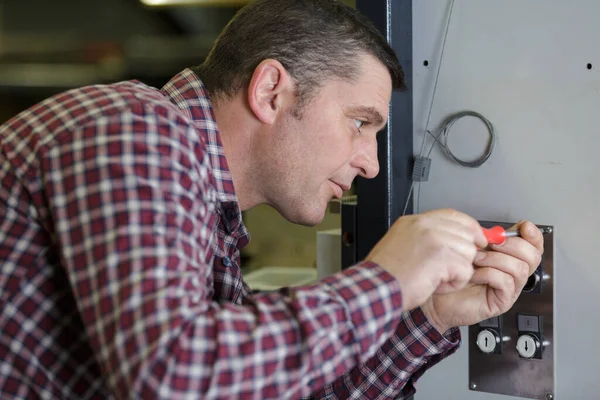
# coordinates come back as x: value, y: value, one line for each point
x: 338, y: 189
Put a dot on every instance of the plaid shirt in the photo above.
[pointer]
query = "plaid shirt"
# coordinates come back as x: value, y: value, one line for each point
x: 119, y: 239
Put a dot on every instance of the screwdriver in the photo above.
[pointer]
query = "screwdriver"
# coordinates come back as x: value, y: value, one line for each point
x: 497, y: 234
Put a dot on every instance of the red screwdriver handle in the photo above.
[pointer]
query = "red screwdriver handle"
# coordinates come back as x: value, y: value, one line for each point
x: 495, y: 235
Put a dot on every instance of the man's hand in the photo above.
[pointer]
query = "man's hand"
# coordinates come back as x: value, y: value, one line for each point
x: 500, y: 275
x: 430, y: 252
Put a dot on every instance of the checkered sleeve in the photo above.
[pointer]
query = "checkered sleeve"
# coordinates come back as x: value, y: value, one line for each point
x: 394, y: 370
x: 132, y: 202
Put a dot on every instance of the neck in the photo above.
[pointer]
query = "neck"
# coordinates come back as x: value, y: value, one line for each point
x: 236, y: 131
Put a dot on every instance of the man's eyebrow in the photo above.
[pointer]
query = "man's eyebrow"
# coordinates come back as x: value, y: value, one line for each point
x: 374, y: 116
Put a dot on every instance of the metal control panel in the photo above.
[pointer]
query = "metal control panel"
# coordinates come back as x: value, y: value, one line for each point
x: 513, y: 354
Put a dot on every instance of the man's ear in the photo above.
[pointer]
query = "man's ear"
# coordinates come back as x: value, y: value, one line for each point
x: 270, y: 88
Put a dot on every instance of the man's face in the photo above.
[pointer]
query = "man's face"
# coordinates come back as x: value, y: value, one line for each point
x: 316, y: 157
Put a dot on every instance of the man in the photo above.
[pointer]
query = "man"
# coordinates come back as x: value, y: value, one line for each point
x: 120, y: 229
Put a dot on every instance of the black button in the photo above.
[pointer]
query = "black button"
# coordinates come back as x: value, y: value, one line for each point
x: 493, y: 322
x: 528, y: 323
x: 227, y: 262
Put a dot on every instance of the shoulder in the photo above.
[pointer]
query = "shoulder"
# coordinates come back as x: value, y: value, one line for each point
x: 122, y: 103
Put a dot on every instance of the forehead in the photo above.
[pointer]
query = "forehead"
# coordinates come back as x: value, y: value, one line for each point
x: 370, y: 90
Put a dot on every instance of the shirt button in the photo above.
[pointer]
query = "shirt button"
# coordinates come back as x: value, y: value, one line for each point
x: 227, y: 262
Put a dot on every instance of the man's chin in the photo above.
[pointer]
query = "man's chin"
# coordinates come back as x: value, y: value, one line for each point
x: 308, y: 220
x: 306, y: 216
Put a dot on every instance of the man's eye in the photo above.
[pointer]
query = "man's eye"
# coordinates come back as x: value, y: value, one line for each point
x: 358, y: 123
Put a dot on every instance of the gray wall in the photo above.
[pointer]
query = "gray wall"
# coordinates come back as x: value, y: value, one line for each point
x: 522, y: 64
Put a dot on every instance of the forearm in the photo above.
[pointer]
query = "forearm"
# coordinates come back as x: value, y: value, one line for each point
x: 393, y: 371
x: 275, y: 346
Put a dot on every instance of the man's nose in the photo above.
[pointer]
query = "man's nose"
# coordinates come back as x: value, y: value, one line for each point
x: 366, y: 161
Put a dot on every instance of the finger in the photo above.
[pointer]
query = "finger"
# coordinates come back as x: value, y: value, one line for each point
x: 457, y: 228
x: 516, y: 268
x: 446, y: 288
x: 521, y: 249
x: 480, y: 238
x: 471, y: 224
x: 531, y: 233
x: 469, y: 227
x: 459, y: 273
x: 449, y: 233
x: 461, y: 246
x: 502, y: 296
x: 455, y: 215
x: 454, y: 285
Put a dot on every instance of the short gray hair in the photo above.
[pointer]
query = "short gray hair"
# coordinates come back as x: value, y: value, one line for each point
x: 313, y: 39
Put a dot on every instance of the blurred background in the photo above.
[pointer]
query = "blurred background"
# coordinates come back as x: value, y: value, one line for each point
x: 48, y: 47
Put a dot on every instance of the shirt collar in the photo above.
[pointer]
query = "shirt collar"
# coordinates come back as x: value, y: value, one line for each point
x: 187, y: 91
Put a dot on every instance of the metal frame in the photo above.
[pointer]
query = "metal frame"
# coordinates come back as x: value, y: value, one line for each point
x: 381, y: 200
x: 348, y: 216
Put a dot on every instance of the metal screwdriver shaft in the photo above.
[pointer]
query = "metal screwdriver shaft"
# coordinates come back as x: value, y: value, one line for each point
x: 497, y: 234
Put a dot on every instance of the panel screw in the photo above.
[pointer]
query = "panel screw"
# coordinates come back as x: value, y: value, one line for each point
x: 549, y: 396
x: 474, y: 386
